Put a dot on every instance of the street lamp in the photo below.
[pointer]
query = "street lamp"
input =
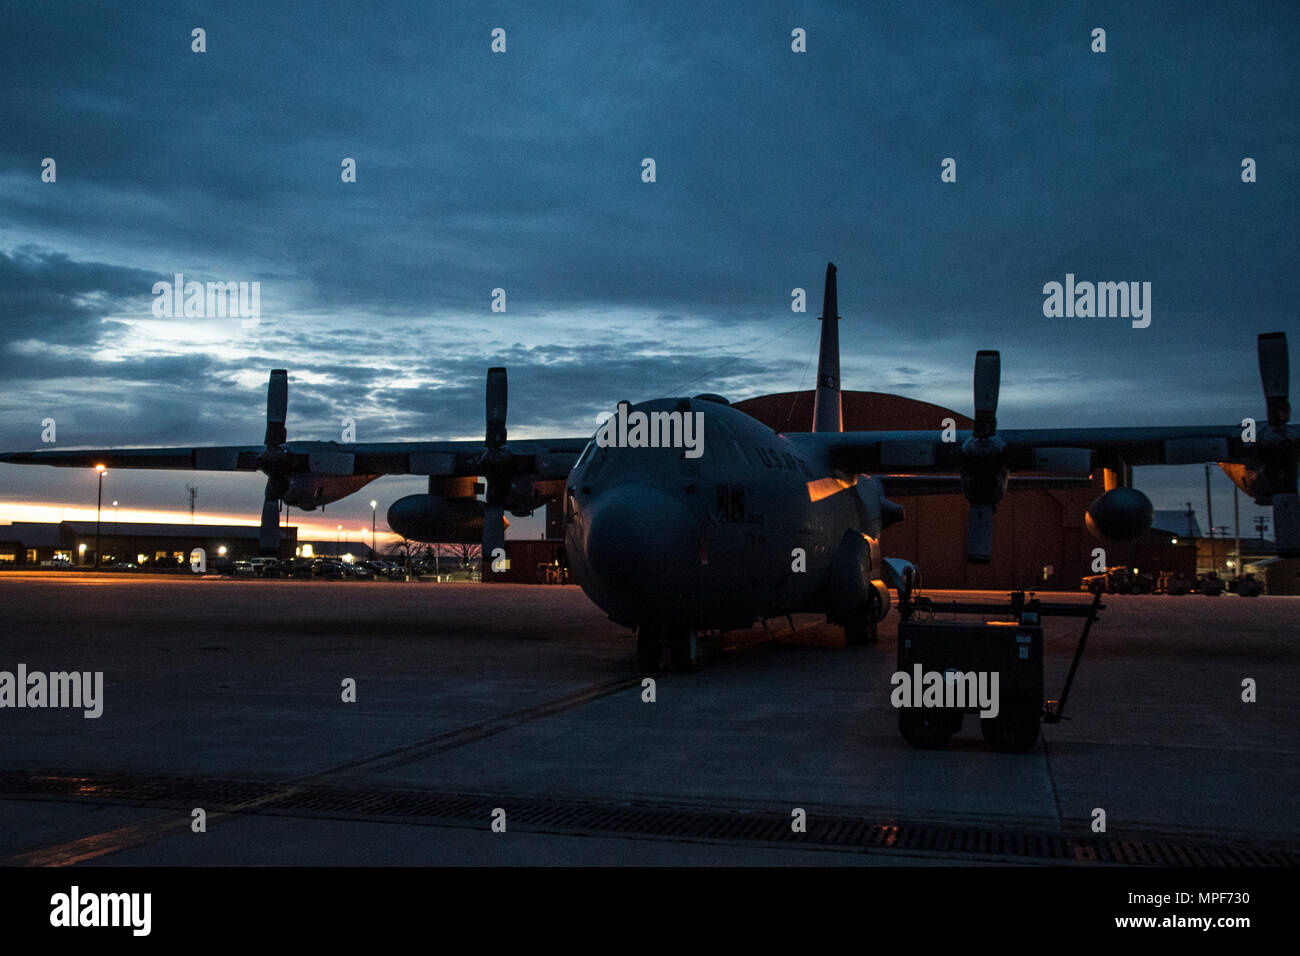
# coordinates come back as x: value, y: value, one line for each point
x: 373, y: 506
x: 338, y: 540
x: 99, y: 506
x: 114, y: 519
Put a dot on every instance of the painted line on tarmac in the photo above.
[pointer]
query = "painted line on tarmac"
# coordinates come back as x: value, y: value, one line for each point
x: 134, y: 835
x: 411, y: 753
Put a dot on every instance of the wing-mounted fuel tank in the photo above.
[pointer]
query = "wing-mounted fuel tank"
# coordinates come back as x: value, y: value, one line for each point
x: 434, y: 518
x: 1121, y: 514
x: 449, y: 514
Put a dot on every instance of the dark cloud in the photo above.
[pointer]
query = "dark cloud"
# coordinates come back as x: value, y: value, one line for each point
x: 45, y: 296
x: 522, y: 172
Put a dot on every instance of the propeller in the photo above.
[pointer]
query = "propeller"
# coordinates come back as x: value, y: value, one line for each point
x: 1278, y: 449
x: 274, y: 461
x: 496, y: 465
x: 983, y: 468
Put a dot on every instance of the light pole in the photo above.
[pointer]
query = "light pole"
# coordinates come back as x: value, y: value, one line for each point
x: 115, y: 519
x: 338, y: 541
x: 99, y: 506
x: 373, y: 506
x: 1209, y: 520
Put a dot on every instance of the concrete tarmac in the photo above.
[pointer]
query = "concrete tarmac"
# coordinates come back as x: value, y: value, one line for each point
x: 523, y: 704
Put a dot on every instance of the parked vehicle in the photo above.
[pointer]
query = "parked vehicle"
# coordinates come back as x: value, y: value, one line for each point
x: 327, y: 568
x: 1118, y: 580
x: 1211, y: 585
x: 261, y: 564
x: 1249, y: 586
x: 1173, y: 582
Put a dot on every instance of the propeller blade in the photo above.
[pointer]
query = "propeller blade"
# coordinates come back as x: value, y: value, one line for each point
x: 979, y: 534
x: 1275, y: 374
x: 988, y: 375
x: 269, y: 537
x: 1286, y: 524
x: 494, y: 537
x: 277, y: 407
x: 496, y: 407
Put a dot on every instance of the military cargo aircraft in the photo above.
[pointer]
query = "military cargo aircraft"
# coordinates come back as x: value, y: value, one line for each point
x: 673, y: 532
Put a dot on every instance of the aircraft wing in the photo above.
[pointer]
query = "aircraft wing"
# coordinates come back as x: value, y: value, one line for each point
x: 951, y: 484
x: 551, y: 457
x: 1070, y: 451
x: 916, y: 463
x: 219, y: 458
x: 517, y: 474
x: 1260, y: 456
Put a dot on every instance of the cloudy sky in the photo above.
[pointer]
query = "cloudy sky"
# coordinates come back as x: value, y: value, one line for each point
x: 522, y: 171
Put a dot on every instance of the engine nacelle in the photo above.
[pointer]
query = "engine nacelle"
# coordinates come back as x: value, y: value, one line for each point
x: 1251, y: 479
x: 308, y: 490
x: 1121, y: 514
x: 432, y: 518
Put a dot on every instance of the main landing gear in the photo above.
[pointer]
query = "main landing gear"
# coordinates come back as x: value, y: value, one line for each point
x: 862, y: 624
x: 682, y: 644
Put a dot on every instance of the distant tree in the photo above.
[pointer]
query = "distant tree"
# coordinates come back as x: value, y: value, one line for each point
x: 465, y: 554
x: 403, y: 551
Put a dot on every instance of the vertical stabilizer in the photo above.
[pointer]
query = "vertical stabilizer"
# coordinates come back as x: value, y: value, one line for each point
x: 827, y: 414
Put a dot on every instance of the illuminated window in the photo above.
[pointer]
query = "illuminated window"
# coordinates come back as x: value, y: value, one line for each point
x: 8, y: 557
x: 31, y: 555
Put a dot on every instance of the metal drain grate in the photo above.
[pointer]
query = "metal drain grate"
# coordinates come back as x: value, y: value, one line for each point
x: 573, y: 816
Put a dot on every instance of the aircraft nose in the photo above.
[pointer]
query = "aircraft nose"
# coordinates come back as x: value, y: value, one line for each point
x: 640, y: 537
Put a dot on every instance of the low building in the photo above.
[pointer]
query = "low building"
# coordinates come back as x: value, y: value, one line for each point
x: 145, y: 544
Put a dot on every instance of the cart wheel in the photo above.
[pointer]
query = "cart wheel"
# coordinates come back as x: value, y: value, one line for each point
x: 1015, y: 728
x: 648, y: 652
x: 681, y: 649
x: 928, y: 728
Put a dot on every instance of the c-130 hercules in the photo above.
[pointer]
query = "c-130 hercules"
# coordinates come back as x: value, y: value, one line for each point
x: 761, y: 524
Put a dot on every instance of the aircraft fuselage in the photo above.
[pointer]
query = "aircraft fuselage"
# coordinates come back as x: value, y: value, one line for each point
x: 752, y: 528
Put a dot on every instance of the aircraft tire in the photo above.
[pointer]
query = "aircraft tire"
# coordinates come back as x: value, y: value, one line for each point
x: 928, y: 728
x: 861, y: 626
x: 1015, y: 729
x: 649, y: 653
